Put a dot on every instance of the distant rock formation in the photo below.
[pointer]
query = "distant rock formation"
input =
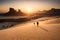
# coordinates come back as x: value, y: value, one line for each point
x: 20, y: 13
x: 13, y: 12
x: 53, y: 12
x: 48, y: 13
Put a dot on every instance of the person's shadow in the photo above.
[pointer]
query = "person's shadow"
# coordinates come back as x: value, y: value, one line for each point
x: 43, y: 28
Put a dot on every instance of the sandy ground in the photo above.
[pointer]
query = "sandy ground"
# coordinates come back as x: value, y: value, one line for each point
x: 29, y: 31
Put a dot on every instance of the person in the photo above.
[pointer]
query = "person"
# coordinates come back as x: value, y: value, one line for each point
x: 37, y: 23
x: 34, y: 23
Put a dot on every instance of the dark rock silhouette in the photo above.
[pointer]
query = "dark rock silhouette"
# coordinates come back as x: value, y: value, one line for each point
x: 20, y: 13
x: 13, y: 12
x: 48, y: 13
x: 53, y: 12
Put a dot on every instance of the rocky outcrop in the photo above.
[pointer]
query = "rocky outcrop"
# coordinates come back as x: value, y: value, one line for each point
x: 13, y: 12
x: 53, y: 12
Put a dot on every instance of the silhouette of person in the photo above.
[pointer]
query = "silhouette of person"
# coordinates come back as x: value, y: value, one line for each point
x: 34, y: 23
x: 37, y: 23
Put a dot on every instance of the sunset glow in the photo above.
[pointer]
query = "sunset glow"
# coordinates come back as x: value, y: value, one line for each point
x: 28, y: 6
x: 26, y: 10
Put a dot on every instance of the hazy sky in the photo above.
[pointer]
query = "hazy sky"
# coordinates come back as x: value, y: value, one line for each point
x: 25, y: 4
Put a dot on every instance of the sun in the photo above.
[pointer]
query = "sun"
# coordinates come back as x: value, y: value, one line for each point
x: 28, y: 10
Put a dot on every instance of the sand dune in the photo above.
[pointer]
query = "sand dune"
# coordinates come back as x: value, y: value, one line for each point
x: 29, y: 31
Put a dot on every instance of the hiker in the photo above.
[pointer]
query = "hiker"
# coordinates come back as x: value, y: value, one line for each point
x: 34, y: 23
x: 37, y: 23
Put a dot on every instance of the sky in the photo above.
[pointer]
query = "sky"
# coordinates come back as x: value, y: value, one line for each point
x: 27, y: 5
